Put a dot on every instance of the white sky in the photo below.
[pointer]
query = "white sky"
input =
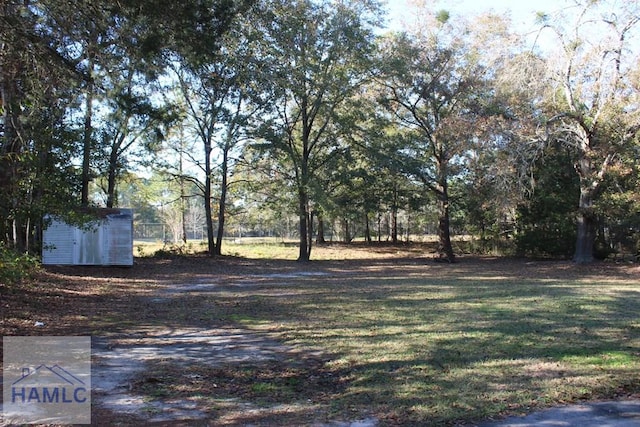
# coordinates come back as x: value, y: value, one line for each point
x: 522, y: 12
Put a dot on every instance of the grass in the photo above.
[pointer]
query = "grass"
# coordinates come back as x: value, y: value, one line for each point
x: 392, y: 334
x: 270, y: 248
x: 445, y: 347
x: 257, y: 248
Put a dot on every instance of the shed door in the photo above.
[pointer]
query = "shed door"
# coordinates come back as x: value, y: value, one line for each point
x: 119, y: 241
x: 87, y: 249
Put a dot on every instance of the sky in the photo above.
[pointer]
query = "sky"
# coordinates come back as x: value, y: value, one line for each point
x: 522, y: 11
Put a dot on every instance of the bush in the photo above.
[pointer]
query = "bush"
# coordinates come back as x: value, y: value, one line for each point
x: 548, y: 239
x: 15, y: 267
x: 174, y: 250
x: 547, y: 221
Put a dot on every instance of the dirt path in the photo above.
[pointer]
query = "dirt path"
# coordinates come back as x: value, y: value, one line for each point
x: 127, y: 364
x: 118, y: 367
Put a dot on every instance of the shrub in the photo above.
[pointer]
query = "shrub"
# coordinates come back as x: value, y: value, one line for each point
x: 171, y: 251
x: 547, y: 221
x: 15, y: 267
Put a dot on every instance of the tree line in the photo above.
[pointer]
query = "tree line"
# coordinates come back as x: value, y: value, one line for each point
x: 314, y: 107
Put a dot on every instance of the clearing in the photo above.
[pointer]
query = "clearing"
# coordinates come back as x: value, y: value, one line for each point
x: 386, y: 337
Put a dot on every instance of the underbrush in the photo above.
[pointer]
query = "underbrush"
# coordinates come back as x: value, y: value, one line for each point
x: 16, y: 267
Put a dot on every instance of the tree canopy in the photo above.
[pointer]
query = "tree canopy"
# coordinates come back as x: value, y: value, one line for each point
x: 310, y: 112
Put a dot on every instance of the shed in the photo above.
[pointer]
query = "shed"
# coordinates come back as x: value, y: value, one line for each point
x: 107, y: 240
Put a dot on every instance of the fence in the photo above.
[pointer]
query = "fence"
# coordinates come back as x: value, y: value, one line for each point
x: 164, y: 233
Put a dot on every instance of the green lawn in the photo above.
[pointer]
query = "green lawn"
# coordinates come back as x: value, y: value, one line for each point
x: 440, y: 344
x: 386, y: 333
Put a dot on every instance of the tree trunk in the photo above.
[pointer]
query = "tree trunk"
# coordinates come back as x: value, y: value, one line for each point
x: 211, y: 248
x: 111, y: 178
x: 310, y: 235
x: 10, y: 150
x: 88, y: 135
x: 347, y: 232
x: 590, y: 185
x: 367, y: 229
x: 445, y: 249
x: 183, y: 196
x: 320, y: 235
x: 394, y: 218
x: 10, y: 69
x: 302, y: 180
x: 303, y: 215
x: 586, y: 227
x: 223, y: 200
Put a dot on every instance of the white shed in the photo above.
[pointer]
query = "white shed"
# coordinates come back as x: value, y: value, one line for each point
x: 108, y: 240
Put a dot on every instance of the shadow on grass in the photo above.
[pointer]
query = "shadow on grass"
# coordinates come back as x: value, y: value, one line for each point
x: 441, y: 348
x: 407, y: 340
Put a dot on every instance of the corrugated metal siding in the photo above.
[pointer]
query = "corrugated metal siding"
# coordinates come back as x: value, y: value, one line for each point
x: 108, y: 242
x: 119, y: 240
x: 58, y: 243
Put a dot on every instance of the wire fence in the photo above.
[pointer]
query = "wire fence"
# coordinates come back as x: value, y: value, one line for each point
x: 162, y: 232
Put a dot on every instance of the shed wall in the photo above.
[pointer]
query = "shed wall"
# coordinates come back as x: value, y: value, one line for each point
x: 107, y: 241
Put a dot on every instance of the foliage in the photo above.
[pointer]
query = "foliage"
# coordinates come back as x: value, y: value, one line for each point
x: 56, y: 58
x: 15, y: 267
x: 344, y: 124
x: 219, y: 96
x: 546, y: 222
x: 36, y: 142
x: 590, y: 104
x: 619, y: 210
x: 320, y: 57
x: 173, y: 251
x: 438, y: 86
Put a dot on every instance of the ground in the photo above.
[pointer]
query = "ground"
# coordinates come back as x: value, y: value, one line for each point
x: 193, y: 340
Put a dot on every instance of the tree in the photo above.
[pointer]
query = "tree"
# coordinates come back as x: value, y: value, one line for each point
x: 265, y: 191
x: 37, y: 80
x: 437, y: 85
x: 128, y: 55
x: 546, y: 224
x: 50, y: 54
x: 498, y: 175
x: 619, y: 208
x: 221, y: 95
x: 592, y: 103
x: 133, y: 122
x: 319, y: 58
